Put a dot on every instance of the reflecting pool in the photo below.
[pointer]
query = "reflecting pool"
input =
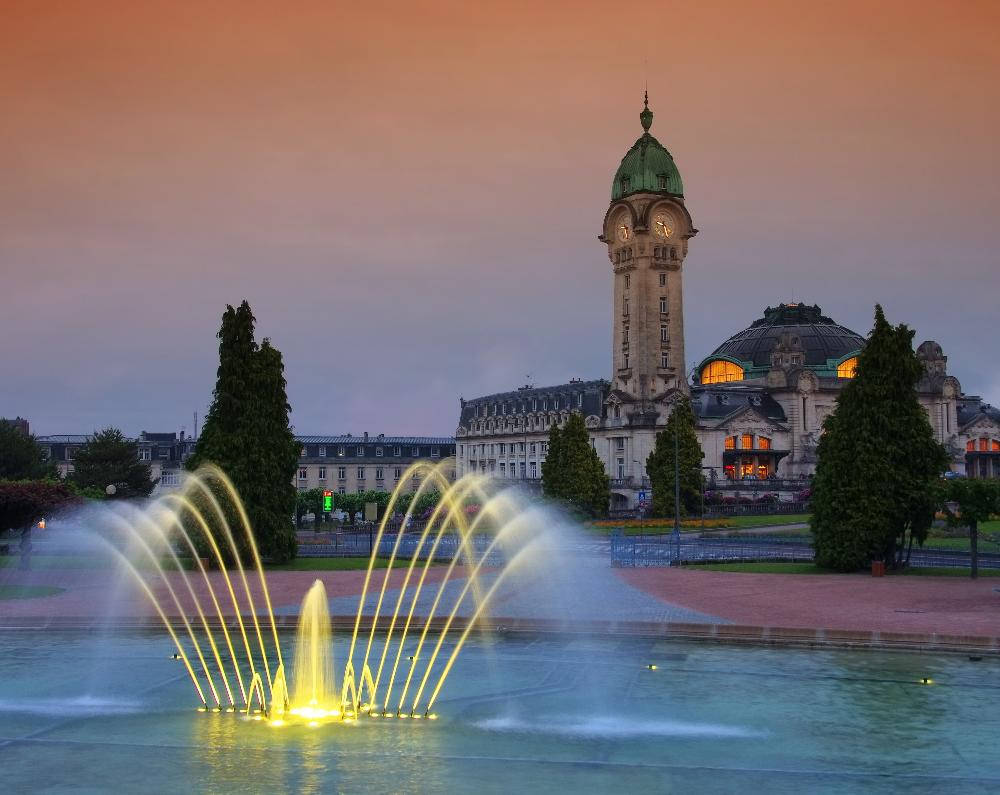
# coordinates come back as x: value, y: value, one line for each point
x: 542, y: 713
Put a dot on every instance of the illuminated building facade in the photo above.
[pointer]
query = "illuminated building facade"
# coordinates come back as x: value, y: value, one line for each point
x: 760, y: 398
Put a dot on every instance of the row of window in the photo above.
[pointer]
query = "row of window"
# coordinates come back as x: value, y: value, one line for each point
x: 500, y: 448
x: 379, y: 451
x: 747, y: 442
x: 529, y: 470
x: 541, y: 422
x: 397, y: 473
x: 983, y: 446
x: 664, y: 362
x: 553, y: 402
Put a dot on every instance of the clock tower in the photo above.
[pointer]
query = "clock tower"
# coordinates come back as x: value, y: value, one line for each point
x: 646, y: 230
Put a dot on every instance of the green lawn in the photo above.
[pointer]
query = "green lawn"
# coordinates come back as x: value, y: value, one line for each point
x: 28, y: 591
x: 730, y: 523
x: 740, y: 522
x: 811, y: 568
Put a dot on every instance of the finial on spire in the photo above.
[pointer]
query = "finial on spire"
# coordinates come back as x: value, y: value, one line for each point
x: 646, y: 117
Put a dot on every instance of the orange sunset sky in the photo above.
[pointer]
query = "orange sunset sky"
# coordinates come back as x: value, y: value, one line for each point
x: 409, y: 194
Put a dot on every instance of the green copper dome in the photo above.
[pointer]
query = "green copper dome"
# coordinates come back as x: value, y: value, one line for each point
x: 647, y: 167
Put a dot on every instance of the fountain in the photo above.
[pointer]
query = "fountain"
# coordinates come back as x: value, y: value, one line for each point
x: 203, y: 633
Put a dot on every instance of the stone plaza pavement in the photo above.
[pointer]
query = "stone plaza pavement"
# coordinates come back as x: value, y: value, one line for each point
x: 579, y: 587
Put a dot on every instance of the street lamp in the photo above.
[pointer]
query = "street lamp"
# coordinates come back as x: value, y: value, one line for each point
x: 110, y: 490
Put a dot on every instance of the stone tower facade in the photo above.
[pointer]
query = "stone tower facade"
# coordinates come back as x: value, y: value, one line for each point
x: 646, y: 231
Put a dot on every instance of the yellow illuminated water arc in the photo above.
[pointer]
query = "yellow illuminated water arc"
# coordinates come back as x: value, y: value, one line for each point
x: 178, y: 525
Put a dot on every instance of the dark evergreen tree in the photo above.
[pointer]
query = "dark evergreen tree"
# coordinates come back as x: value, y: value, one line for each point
x: 21, y: 457
x: 554, y: 466
x: 660, y: 464
x: 109, y: 459
x: 572, y: 473
x: 879, y: 466
x: 247, y: 435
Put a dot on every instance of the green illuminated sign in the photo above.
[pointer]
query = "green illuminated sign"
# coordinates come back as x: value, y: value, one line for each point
x: 327, y: 501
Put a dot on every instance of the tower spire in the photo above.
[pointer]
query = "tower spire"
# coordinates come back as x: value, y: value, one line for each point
x: 646, y: 117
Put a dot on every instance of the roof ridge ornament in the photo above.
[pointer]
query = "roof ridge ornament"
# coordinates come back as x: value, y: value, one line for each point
x: 646, y: 117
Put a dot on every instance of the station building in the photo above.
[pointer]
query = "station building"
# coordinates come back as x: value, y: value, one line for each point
x: 760, y: 398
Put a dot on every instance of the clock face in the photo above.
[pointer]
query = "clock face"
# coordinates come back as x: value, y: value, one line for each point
x: 663, y: 225
x: 622, y: 228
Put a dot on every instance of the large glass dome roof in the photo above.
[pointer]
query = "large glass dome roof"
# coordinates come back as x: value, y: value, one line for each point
x: 821, y: 338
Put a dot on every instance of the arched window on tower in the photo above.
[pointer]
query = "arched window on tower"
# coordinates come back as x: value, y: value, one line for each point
x: 719, y: 371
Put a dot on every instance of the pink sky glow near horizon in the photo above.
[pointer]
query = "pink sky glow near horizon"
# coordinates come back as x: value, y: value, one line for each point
x: 409, y: 195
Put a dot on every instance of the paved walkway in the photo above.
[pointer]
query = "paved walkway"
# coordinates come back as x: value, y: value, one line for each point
x: 947, y: 605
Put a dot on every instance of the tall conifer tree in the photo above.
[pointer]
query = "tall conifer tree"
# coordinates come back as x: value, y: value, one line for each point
x: 572, y: 472
x: 660, y: 464
x: 879, y: 466
x: 246, y: 434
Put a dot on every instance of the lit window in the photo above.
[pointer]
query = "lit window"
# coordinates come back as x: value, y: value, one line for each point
x: 730, y: 442
x: 996, y: 446
x: 762, y: 471
x: 340, y: 450
x: 720, y: 371
x: 746, y: 441
x: 763, y: 443
x: 970, y: 446
x: 848, y: 369
x: 984, y: 445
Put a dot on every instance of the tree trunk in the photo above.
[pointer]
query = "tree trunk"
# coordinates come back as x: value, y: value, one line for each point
x: 909, y: 549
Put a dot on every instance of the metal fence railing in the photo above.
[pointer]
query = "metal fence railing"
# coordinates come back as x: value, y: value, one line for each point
x: 360, y: 545
x: 650, y: 551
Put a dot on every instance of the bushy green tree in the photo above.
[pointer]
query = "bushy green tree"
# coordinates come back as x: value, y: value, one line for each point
x: 968, y: 503
x: 309, y: 501
x: 879, y: 466
x: 660, y: 464
x: 25, y: 502
x: 109, y: 458
x: 21, y: 456
x: 247, y: 434
x: 572, y: 473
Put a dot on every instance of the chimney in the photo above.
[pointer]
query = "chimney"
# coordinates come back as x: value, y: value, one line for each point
x: 366, y: 436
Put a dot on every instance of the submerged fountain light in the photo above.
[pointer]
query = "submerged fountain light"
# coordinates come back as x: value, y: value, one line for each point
x: 368, y: 678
